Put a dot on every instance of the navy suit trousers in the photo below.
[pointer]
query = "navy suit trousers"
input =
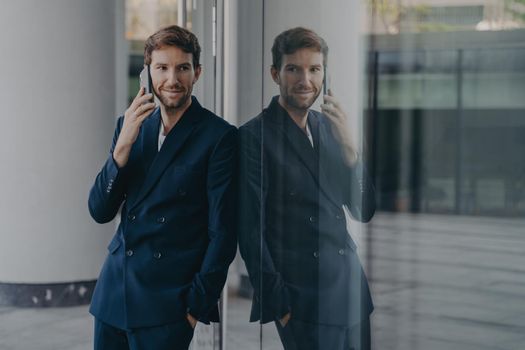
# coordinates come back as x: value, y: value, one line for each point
x: 172, y: 336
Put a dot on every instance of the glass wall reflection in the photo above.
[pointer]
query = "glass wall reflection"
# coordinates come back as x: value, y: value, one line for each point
x: 440, y: 131
x: 303, y: 182
x: 444, y: 119
x: 433, y: 100
x: 447, y: 126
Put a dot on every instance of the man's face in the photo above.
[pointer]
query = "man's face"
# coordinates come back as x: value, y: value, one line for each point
x: 300, y: 78
x: 173, y: 76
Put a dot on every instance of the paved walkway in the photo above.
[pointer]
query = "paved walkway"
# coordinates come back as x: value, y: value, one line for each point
x: 447, y: 282
x: 439, y: 282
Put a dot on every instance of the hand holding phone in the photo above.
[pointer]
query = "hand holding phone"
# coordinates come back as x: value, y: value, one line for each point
x: 141, y: 108
x: 335, y: 113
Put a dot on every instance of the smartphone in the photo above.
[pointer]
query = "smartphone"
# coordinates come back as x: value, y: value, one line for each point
x: 145, y: 80
x: 326, y: 82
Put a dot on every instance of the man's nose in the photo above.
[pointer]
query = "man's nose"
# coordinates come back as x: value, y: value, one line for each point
x: 173, y: 78
x: 304, y: 78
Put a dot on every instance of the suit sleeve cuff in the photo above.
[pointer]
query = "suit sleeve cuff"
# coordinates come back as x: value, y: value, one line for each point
x: 275, y: 299
x: 200, y: 300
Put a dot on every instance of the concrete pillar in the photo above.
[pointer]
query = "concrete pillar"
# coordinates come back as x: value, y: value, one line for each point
x: 58, y: 96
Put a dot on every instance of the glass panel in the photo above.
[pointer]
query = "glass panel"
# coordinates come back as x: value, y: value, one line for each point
x: 419, y: 79
x: 494, y: 79
x: 446, y: 248
x: 492, y: 128
x: 416, y: 120
x: 443, y: 145
x: 303, y: 190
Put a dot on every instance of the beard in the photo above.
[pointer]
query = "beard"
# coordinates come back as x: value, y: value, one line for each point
x: 298, y: 103
x: 172, y: 104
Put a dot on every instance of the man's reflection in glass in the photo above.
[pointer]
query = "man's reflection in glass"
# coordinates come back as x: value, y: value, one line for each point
x: 299, y: 167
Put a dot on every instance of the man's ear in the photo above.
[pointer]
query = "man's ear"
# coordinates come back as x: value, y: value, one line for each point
x: 198, y: 71
x: 275, y: 75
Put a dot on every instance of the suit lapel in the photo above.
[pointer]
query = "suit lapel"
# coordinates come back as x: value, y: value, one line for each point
x: 317, y: 160
x: 326, y: 154
x: 150, y: 140
x: 171, y: 147
x: 301, y: 146
x: 295, y: 137
x: 313, y: 123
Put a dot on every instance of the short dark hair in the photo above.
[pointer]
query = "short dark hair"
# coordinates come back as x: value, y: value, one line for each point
x: 173, y: 36
x: 291, y: 40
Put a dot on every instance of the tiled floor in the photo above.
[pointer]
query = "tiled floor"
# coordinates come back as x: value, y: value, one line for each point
x: 439, y: 282
x: 447, y: 282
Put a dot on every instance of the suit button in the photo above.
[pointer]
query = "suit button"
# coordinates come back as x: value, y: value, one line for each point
x: 161, y: 220
x: 131, y: 217
x: 312, y: 219
x: 341, y: 252
x: 316, y: 255
x: 291, y: 193
x: 157, y: 255
x: 338, y: 217
x: 182, y: 192
x: 129, y: 252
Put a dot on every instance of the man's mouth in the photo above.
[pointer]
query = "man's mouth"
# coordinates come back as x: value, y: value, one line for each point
x: 303, y: 92
x: 173, y: 92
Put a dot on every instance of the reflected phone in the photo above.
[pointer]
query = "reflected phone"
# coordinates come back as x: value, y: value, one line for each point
x: 326, y: 82
x: 145, y: 80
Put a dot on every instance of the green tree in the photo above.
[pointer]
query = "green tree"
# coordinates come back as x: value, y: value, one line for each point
x: 516, y: 8
x: 397, y: 17
x: 388, y: 12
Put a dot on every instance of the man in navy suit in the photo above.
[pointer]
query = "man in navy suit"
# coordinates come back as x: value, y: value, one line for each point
x: 299, y: 168
x: 171, y: 171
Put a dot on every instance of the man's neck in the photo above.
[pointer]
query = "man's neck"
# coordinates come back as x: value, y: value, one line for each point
x: 299, y: 116
x: 171, y: 116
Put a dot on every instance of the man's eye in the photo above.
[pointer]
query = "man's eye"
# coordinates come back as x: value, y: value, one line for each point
x: 184, y: 68
x: 316, y: 69
x: 291, y: 69
x: 162, y: 68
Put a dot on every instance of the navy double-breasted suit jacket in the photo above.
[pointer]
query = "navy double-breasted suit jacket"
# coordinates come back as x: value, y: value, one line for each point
x: 171, y: 252
x: 292, y: 234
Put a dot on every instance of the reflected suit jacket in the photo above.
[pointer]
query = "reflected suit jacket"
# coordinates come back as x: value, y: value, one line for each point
x: 175, y: 241
x: 292, y: 228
